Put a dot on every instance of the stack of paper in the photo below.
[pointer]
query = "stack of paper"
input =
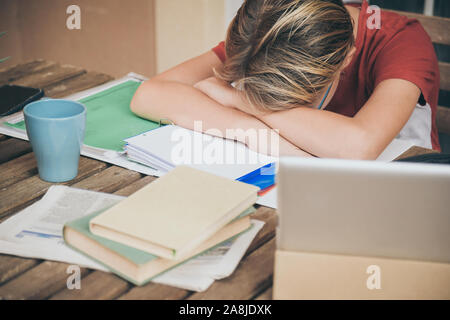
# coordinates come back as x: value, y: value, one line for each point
x: 171, y: 220
x: 166, y: 147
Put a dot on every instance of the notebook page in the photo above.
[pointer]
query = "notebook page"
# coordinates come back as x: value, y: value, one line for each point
x: 176, y: 145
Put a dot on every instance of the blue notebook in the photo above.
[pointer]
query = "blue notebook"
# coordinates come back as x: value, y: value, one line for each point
x: 263, y: 177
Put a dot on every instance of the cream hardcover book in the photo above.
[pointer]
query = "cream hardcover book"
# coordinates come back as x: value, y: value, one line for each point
x: 176, y: 213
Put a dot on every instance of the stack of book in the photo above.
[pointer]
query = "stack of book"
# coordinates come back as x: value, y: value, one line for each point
x: 166, y: 223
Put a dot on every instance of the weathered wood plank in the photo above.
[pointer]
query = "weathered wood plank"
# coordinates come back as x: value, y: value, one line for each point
x: 96, y: 285
x: 35, y: 189
x: 48, y: 76
x: 444, y: 69
x: 443, y: 119
x: 76, y: 84
x: 35, y: 284
x: 11, y: 266
x: 155, y: 291
x: 18, y: 71
x: 252, y: 276
x: 17, y: 169
x: 135, y: 186
x: 13, y: 148
x: 436, y: 27
x: 415, y: 151
x: 108, y: 180
x: 267, y: 232
x: 23, y: 193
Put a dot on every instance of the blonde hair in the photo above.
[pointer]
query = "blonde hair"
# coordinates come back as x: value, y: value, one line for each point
x: 283, y: 53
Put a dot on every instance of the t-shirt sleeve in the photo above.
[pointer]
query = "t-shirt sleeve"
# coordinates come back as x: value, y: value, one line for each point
x: 219, y: 50
x: 410, y: 56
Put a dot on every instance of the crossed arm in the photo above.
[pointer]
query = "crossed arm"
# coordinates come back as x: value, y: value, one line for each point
x: 172, y: 95
x: 189, y: 92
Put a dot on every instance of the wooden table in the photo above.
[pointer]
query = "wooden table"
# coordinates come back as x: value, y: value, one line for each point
x: 20, y: 186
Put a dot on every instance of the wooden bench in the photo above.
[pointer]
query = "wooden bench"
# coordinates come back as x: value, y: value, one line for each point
x: 438, y: 29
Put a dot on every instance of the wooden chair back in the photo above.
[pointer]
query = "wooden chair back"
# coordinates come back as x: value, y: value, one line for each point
x: 438, y: 29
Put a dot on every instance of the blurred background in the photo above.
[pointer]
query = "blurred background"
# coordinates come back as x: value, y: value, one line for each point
x: 438, y: 8
x: 116, y: 36
x: 144, y: 36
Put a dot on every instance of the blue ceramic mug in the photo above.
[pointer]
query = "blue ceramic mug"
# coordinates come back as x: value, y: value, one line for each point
x: 55, y: 128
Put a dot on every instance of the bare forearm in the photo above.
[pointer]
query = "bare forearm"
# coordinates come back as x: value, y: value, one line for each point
x: 322, y: 133
x: 365, y: 136
x: 183, y: 104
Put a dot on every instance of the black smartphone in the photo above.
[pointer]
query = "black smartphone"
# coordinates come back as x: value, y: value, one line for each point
x: 15, y: 98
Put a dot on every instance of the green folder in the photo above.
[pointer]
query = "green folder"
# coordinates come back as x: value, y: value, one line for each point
x: 109, y: 118
x: 141, y: 266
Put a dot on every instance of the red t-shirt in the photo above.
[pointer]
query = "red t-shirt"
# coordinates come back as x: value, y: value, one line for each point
x: 400, y: 49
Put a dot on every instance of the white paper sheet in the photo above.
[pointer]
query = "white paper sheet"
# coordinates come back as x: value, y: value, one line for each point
x: 215, y: 264
x: 36, y: 232
x: 221, y: 262
x: 269, y: 199
x: 395, y: 149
